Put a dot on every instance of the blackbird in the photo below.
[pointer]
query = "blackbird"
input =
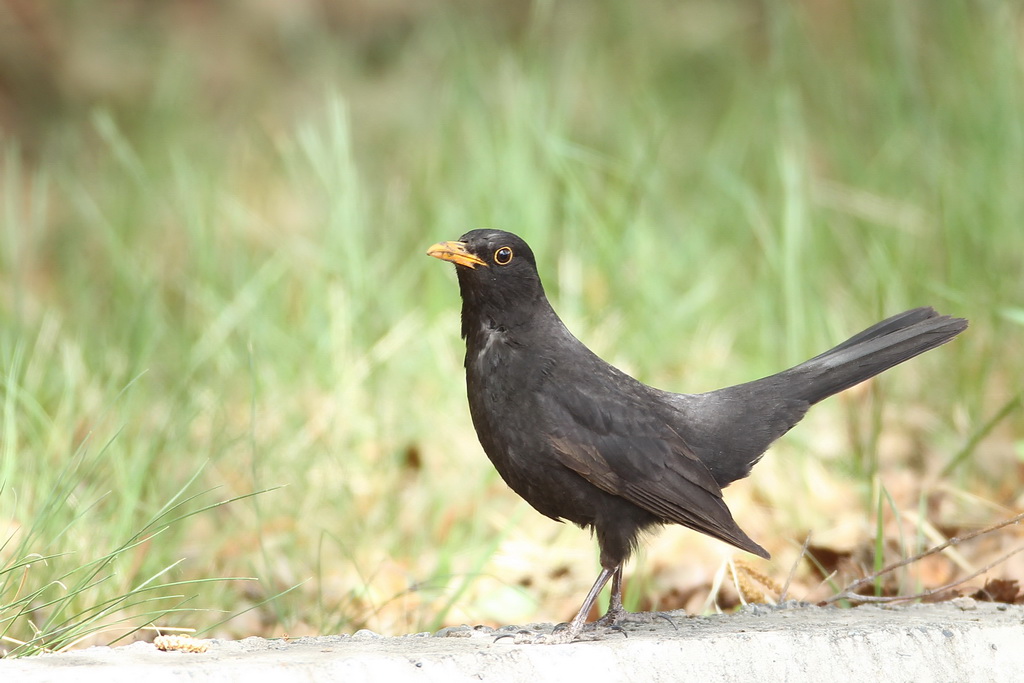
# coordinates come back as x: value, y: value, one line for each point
x: 582, y: 441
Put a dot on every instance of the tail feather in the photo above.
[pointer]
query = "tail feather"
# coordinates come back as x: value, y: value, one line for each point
x: 897, y: 322
x: 871, y: 352
x: 730, y: 429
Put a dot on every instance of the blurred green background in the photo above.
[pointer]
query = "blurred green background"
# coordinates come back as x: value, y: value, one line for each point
x: 213, y: 219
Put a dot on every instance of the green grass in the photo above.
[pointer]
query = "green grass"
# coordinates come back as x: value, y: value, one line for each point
x: 223, y: 289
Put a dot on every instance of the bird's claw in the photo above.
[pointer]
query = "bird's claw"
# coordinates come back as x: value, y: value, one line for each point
x: 560, y: 635
x: 662, y: 615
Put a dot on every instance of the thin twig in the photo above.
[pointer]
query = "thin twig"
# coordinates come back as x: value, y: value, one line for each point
x: 833, y: 573
x: 792, y: 570
x: 850, y: 592
x: 846, y: 595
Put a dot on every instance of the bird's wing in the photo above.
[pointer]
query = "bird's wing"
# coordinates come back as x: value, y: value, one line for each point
x: 620, y: 441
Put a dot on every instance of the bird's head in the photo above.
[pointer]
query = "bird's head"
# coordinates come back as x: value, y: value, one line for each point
x: 497, y: 275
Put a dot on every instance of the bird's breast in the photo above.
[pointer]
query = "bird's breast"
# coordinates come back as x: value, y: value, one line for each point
x: 485, y: 349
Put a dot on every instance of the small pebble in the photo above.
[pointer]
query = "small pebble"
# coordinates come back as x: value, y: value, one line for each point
x: 965, y: 603
x: 366, y: 634
x: 455, y: 632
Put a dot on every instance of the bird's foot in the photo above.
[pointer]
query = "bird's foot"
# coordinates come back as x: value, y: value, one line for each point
x: 616, y: 619
x: 611, y: 618
x: 560, y: 635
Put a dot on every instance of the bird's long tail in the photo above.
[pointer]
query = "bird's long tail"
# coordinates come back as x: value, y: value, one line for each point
x: 875, y: 350
x: 730, y: 428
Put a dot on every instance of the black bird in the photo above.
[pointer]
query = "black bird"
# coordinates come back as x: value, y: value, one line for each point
x: 582, y: 441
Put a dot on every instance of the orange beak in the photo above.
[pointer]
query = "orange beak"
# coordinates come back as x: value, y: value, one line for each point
x: 456, y: 253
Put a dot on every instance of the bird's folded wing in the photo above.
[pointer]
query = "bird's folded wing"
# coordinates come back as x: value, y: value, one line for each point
x: 623, y: 446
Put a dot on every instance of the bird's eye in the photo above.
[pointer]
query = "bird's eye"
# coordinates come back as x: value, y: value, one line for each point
x: 503, y: 256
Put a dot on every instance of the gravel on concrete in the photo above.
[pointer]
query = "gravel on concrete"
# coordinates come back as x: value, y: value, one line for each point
x: 963, y: 640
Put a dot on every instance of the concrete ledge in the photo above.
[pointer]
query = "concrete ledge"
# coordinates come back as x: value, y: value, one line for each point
x: 943, y: 642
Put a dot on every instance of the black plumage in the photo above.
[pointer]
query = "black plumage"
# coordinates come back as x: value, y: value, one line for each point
x: 582, y: 441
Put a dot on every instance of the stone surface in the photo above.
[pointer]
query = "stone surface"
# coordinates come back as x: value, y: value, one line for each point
x: 941, y: 642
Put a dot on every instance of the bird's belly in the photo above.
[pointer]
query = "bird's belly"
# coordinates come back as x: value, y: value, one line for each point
x: 552, y: 489
x: 512, y: 430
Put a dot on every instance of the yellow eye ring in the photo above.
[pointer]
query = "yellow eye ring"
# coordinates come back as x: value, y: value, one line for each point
x: 503, y: 256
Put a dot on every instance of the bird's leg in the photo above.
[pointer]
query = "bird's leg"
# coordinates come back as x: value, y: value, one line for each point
x: 566, y: 633
x: 617, y: 613
x: 615, y: 609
